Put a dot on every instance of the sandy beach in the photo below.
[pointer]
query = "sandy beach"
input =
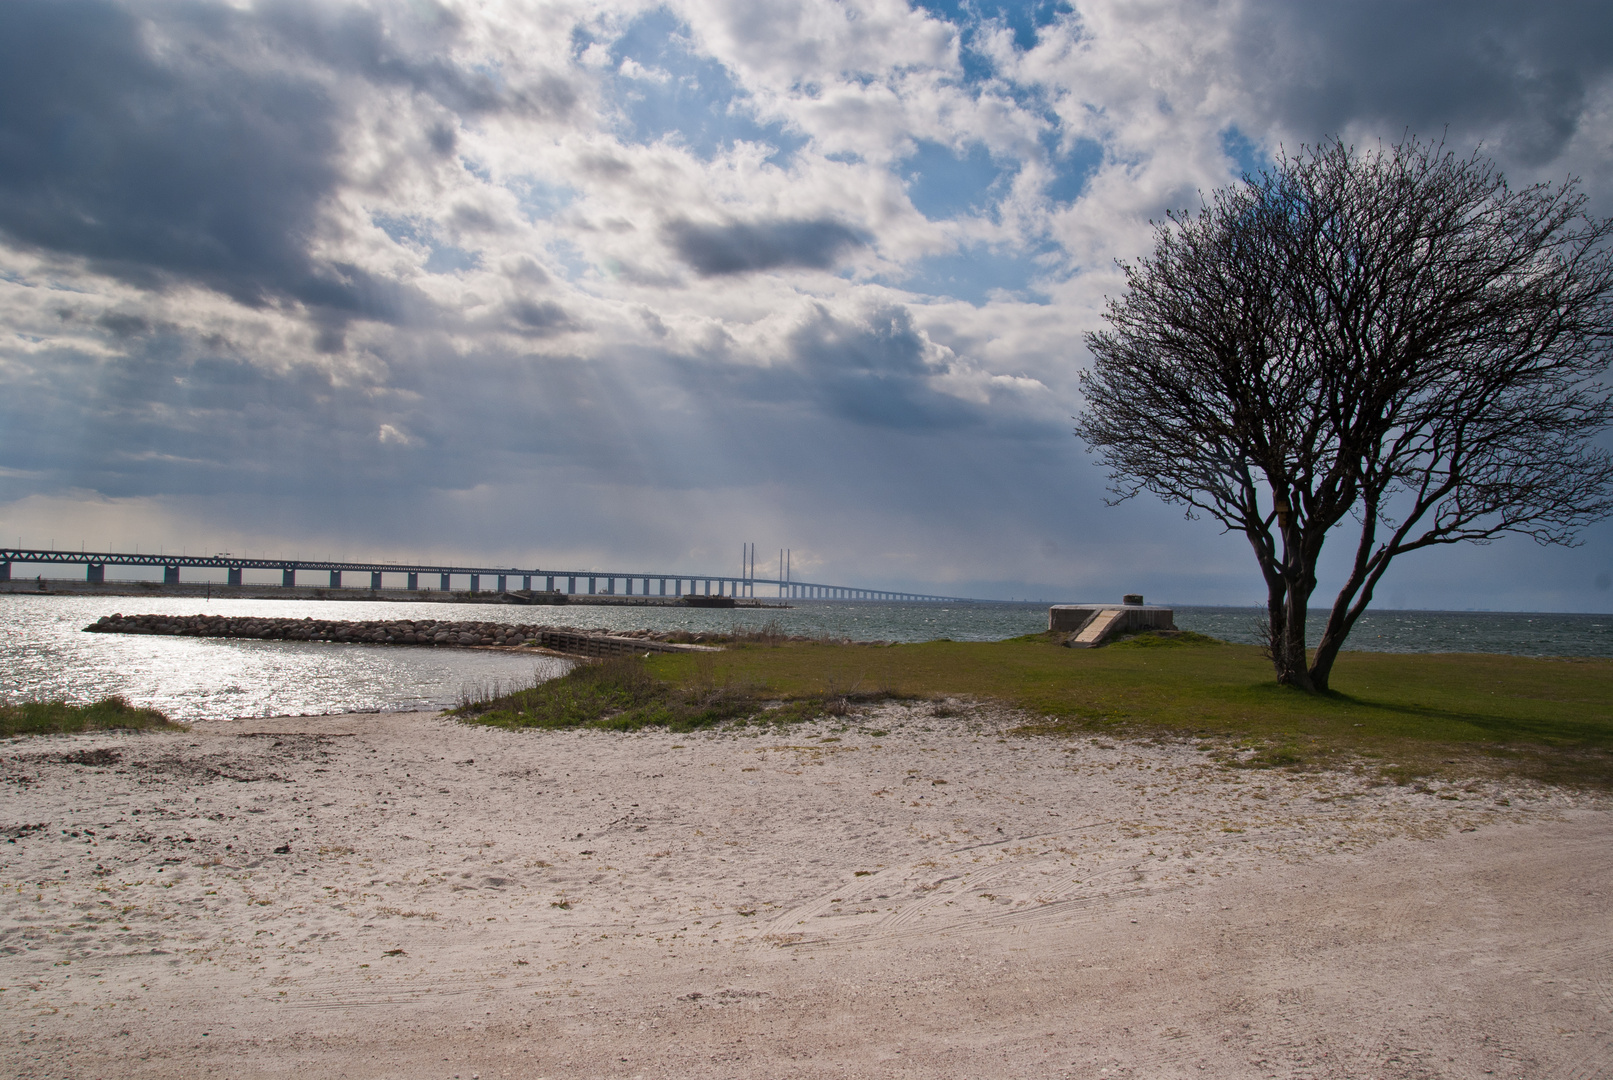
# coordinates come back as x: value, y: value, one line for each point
x: 897, y: 894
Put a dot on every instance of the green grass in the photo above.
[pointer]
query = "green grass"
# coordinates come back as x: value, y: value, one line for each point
x: 58, y: 718
x: 1406, y: 715
x: 622, y: 695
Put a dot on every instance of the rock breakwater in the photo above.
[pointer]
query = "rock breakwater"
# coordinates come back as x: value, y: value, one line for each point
x: 435, y: 632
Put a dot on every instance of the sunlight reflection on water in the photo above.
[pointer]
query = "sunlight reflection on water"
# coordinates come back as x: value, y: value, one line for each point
x: 44, y: 653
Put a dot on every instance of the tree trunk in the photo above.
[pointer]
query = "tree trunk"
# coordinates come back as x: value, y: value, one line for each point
x: 1280, y: 638
x: 1353, y: 597
x: 1292, y: 669
x: 1298, y: 574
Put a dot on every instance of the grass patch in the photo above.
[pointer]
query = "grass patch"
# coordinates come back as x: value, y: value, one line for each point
x: 1407, y: 714
x: 1156, y: 639
x: 621, y: 694
x: 60, y: 718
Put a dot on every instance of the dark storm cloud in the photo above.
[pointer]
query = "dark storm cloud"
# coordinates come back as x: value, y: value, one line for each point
x: 747, y: 247
x: 360, y: 42
x: 538, y: 318
x: 208, y: 160
x: 1523, y: 70
x: 873, y: 371
x: 106, y: 154
x: 174, y: 415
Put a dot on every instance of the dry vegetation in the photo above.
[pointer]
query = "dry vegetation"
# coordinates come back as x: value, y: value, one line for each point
x: 60, y: 717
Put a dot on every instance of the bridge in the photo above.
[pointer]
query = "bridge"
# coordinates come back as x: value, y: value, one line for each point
x: 571, y: 582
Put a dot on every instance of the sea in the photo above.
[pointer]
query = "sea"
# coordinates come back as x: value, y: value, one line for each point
x: 45, y: 654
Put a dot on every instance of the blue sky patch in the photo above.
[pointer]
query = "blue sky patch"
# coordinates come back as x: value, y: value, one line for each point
x: 1024, y: 17
x: 685, y: 95
x: 1074, y: 171
x: 541, y: 200
x: 1246, y: 156
x: 973, y: 274
x: 440, y: 258
x: 942, y: 185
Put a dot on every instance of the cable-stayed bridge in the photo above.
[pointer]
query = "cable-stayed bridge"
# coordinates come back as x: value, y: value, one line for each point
x: 498, y: 578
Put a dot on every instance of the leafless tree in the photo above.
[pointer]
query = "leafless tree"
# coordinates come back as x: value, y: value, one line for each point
x: 1394, y: 340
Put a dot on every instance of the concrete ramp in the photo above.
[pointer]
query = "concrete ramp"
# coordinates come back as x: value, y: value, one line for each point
x: 1100, y: 626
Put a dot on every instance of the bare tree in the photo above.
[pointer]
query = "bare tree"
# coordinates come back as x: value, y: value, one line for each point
x: 1394, y: 340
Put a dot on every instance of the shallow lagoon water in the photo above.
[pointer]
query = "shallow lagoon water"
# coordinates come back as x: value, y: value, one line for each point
x: 45, y: 653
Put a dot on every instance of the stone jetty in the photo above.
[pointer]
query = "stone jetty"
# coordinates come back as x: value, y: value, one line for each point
x: 436, y: 632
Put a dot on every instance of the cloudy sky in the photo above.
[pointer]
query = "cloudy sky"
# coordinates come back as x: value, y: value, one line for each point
x: 625, y: 285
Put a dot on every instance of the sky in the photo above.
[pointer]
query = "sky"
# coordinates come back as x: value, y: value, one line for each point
x: 628, y: 285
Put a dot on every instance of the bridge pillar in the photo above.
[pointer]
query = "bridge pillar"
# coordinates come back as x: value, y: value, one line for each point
x: 475, y: 582
x: 170, y: 575
x: 548, y: 583
x: 501, y: 587
x: 5, y: 571
x: 95, y: 573
x: 571, y: 585
x: 375, y: 579
x: 288, y: 576
x: 591, y: 586
x: 526, y: 582
x: 447, y: 580
x: 663, y: 586
x: 336, y: 579
x: 233, y: 576
x: 629, y: 586
x: 414, y: 581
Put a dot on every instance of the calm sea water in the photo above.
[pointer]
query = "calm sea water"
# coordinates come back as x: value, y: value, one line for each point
x: 44, y: 652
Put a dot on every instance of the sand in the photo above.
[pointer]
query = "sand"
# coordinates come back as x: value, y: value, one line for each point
x: 404, y: 896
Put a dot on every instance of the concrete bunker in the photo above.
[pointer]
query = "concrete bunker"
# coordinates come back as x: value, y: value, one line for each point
x: 1091, y: 625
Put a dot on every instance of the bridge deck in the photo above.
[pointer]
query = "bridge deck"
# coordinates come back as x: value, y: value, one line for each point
x: 571, y: 582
